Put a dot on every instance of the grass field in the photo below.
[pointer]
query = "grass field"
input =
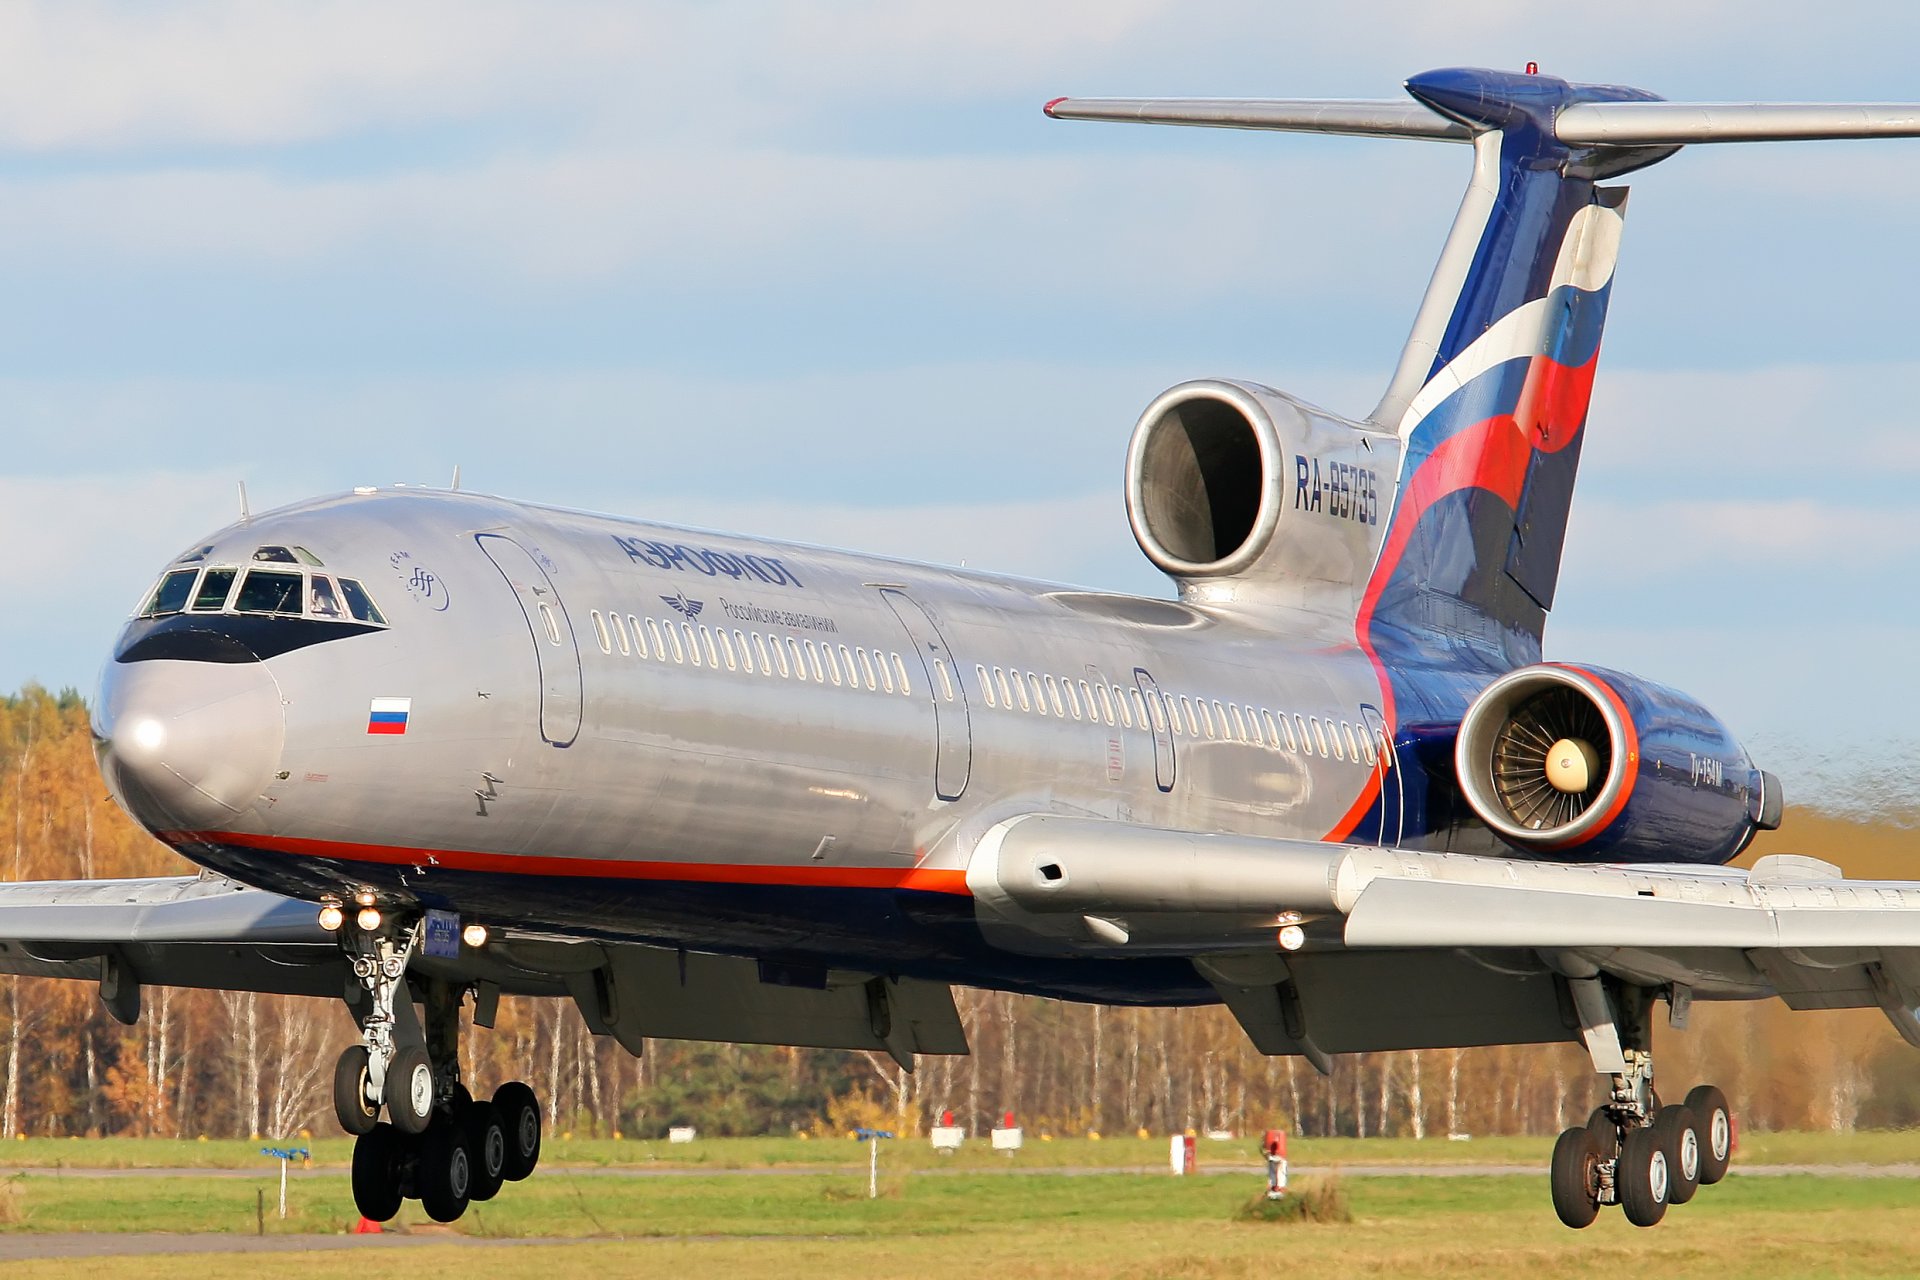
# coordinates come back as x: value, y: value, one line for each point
x: 978, y: 1221
x: 1879, y: 1147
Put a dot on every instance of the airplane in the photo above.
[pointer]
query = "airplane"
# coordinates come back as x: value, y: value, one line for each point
x: 431, y: 747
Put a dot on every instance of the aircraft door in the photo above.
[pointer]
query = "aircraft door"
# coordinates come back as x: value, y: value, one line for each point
x: 953, y: 726
x: 1392, y: 795
x: 1157, y: 713
x: 554, y: 649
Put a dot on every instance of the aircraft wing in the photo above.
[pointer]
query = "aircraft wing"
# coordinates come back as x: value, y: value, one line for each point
x: 209, y: 932
x: 1407, y: 949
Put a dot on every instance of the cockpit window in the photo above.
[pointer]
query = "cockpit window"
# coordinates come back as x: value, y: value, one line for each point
x: 360, y: 603
x: 269, y: 591
x: 170, y: 594
x: 274, y: 555
x: 305, y: 556
x: 212, y: 595
x: 321, y: 600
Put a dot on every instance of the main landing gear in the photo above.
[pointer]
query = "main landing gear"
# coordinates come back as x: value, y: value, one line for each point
x: 1633, y: 1151
x: 438, y: 1144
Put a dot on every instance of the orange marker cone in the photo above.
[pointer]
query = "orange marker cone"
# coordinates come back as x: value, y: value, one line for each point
x: 368, y: 1227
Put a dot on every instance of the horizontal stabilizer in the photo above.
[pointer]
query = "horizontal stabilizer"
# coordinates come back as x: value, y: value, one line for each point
x: 1455, y: 105
x: 1360, y: 117
x: 1658, y: 124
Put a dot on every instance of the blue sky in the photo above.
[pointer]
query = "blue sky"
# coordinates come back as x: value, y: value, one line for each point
x: 824, y: 271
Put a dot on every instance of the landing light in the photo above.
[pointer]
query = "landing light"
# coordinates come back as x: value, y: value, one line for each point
x: 1292, y: 938
x: 332, y: 917
x: 474, y: 935
x: 365, y: 898
x: 149, y: 734
x: 368, y: 919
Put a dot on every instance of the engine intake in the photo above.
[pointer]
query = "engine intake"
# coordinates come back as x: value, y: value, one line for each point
x: 1240, y: 489
x: 1580, y: 762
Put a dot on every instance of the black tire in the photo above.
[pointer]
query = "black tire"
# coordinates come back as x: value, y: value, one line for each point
x: 410, y: 1090
x: 1682, y: 1144
x: 444, y: 1176
x: 1713, y: 1122
x: 1603, y: 1127
x: 520, y: 1120
x: 350, y: 1105
x: 377, y: 1159
x: 1575, y: 1177
x: 487, y: 1144
x: 1641, y: 1177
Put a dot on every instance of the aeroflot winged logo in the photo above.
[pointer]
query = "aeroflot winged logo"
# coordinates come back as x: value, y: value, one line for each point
x: 680, y: 604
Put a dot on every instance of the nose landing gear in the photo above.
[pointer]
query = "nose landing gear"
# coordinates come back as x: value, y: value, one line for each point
x: 437, y: 1144
x: 1632, y: 1151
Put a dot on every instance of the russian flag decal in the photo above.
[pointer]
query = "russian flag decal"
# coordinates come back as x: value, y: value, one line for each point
x: 389, y: 715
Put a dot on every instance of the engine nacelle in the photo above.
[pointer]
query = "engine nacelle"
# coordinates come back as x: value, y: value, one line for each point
x: 1242, y: 493
x: 1583, y: 763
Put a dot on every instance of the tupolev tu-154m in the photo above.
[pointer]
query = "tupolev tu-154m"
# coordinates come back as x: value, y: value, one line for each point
x: 431, y: 746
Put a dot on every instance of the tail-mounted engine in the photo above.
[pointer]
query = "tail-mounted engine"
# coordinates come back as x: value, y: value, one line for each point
x: 1578, y: 762
x: 1243, y: 494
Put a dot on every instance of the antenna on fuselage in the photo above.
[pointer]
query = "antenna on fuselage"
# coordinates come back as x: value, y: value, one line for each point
x: 456, y: 477
x: 245, y: 514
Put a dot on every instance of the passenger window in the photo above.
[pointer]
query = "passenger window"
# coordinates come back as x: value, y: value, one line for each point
x: 693, y: 643
x: 600, y: 631
x: 1366, y: 743
x: 792, y: 650
x: 940, y: 674
x: 1134, y: 707
x: 726, y: 649
x: 673, y: 641
x: 746, y: 651
x: 886, y: 672
x: 846, y: 660
x: 1039, y: 693
x: 620, y: 634
x: 1386, y: 751
x: 1020, y: 687
x: 212, y: 595
x: 552, y: 623
x: 270, y: 591
x: 359, y: 603
x: 1006, y: 694
x: 900, y: 670
x: 706, y: 644
x: 833, y: 667
x: 1073, y: 699
x: 171, y: 593
x: 659, y: 643
x: 1106, y: 704
x: 1353, y: 747
x: 986, y: 685
x: 867, y: 676
x: 1271, y: 730
x: 818, y: 672
x: 760, y: 652
x: 1320, y: 737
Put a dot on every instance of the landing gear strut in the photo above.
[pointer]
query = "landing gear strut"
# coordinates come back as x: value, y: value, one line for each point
x: 437, y: 1144
x: 1632, y: 1151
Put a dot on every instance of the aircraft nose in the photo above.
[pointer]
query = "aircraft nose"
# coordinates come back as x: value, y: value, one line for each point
x: 188, y: 746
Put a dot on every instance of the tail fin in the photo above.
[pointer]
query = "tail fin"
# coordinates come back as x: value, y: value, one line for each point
x: 1490, y: 396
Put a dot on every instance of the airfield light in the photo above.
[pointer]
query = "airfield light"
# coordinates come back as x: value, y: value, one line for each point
x: 332, y: 917
x: 1292, y: 938
x: 474, y: 935
x: 368, y: 919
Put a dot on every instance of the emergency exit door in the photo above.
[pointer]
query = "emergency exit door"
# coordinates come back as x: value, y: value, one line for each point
x: 555, y: 652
